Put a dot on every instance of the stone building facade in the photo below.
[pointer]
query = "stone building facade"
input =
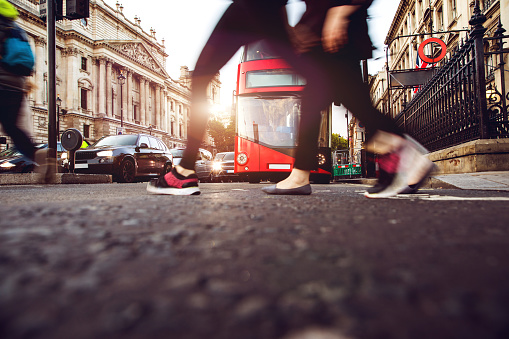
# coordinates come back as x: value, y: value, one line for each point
x: 90, y: 56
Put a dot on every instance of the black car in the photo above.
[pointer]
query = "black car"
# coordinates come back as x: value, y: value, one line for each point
x: 126, y: 157
x: 223, y: 168
x: 13, y: 161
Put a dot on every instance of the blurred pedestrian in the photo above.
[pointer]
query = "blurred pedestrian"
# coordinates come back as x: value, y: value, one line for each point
x: 244, y: 21
x: 333, y: 34
x: 12, y: 88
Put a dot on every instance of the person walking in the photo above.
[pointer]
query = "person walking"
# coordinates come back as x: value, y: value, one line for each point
x: 244, y: 21
x: 12, y: 89
x: 333, y: 35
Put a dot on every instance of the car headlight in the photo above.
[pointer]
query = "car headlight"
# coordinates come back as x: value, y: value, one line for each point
x: 7, y: 164
x: 216, y: 166
x: 105, y: 154
x: 242, y: 159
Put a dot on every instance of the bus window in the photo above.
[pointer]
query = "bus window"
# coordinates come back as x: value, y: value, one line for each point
x: 273, y: 78
x: 257, y: 51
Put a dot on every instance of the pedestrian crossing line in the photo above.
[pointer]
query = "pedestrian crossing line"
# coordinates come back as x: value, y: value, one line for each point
x: 434, y: 197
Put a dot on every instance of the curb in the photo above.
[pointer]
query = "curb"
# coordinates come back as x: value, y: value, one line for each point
x: 60, y: 178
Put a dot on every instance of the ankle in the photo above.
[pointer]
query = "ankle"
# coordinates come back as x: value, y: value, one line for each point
x: 184, y: 171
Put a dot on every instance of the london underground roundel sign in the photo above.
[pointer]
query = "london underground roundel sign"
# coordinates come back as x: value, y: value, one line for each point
x: 426, y: 58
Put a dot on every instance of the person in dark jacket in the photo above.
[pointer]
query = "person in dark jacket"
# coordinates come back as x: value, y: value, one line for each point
x: 12, y: 90
x: 333, y: 34
x: 243, y: 22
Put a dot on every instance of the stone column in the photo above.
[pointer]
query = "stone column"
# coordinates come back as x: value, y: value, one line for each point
x: 101, y: 84
x: 95, y: 82
x: 142, y: 101
x: 71, y: 100
x: 125, y: 95
x: 148, y: 118
x: 164, y: 114
x: 157, y: 109
x: 109, y: 96
x: 130, y: 116
x: 40, y: 67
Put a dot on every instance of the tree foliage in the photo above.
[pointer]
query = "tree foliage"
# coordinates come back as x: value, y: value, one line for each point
x: 338, y: 142
x: 224, y: 137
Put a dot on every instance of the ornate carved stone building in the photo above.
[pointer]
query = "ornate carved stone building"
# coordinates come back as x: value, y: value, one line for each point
x: 91, y: 54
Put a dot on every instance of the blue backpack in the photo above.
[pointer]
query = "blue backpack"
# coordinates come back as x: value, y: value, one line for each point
x: 17, y: 56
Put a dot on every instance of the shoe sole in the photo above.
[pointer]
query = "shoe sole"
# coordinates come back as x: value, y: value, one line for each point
x: 173, y: 190
x: 415, y: 188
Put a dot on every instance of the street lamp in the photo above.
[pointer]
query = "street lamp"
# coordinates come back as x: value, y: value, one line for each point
x: 121, y: 81
x: 59, y: 103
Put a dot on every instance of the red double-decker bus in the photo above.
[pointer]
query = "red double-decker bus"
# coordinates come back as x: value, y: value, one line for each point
x: 267, y: 116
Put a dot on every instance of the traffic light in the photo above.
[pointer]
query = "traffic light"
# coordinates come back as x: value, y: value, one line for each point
x: 59, y: 9
x: 77, y: 9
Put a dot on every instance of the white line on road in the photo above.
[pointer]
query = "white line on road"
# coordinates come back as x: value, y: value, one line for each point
x: 446, y: 198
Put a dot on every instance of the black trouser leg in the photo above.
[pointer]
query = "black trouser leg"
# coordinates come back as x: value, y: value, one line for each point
x: 339, y: 79
x: 238, y: 26
x: 10, y: 104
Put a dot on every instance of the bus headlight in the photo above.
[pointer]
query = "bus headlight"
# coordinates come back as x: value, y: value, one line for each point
x: 242, y: 159
x: 321, y: 159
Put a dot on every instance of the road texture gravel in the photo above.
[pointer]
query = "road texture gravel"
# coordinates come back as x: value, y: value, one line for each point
x: 111, y: 261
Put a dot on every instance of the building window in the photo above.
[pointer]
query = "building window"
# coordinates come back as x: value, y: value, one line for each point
x: 84, y: 63
x: 440, y: 19
x: 135, y: 113
x: 171, y: 128
x: 86, y: 131
x: 84, y: 101
x: 452, y: 10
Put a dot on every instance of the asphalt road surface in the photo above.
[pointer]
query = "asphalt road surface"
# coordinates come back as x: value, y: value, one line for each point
x: 111, y: 261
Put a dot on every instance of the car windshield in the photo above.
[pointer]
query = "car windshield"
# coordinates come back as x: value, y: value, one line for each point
x: 229, y: 156
x: 117, y: 140
x: 219, y: 156
x: 177, y: 153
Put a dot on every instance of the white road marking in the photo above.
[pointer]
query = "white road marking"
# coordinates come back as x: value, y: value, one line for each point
x: 430, y: 197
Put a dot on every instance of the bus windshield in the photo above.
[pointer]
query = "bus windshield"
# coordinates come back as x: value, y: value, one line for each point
x: 269, y: 120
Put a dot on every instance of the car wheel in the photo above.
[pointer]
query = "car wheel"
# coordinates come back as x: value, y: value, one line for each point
x: 127, y: 171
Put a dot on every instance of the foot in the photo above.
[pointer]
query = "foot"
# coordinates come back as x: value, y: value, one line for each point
x: 302, y: 190
x: 297, y: 178
x: 173, y: 183
x: 46, y: 166
x: 402, y: 171
x: 184, y: 171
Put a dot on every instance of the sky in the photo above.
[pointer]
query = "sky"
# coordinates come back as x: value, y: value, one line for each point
x: 186, y: 25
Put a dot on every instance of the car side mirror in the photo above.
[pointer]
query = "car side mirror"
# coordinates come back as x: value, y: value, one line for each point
x: 143, y: 145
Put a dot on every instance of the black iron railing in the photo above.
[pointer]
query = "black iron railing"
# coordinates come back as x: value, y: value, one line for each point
x: 456, y: 105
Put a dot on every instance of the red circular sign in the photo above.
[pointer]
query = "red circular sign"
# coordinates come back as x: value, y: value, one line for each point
x: 427, y: 59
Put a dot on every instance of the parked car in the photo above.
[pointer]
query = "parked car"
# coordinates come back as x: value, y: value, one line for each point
x: 203, y: 164
x: 13, y: 161
x: 223, y: 167
x: 126, y: 157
